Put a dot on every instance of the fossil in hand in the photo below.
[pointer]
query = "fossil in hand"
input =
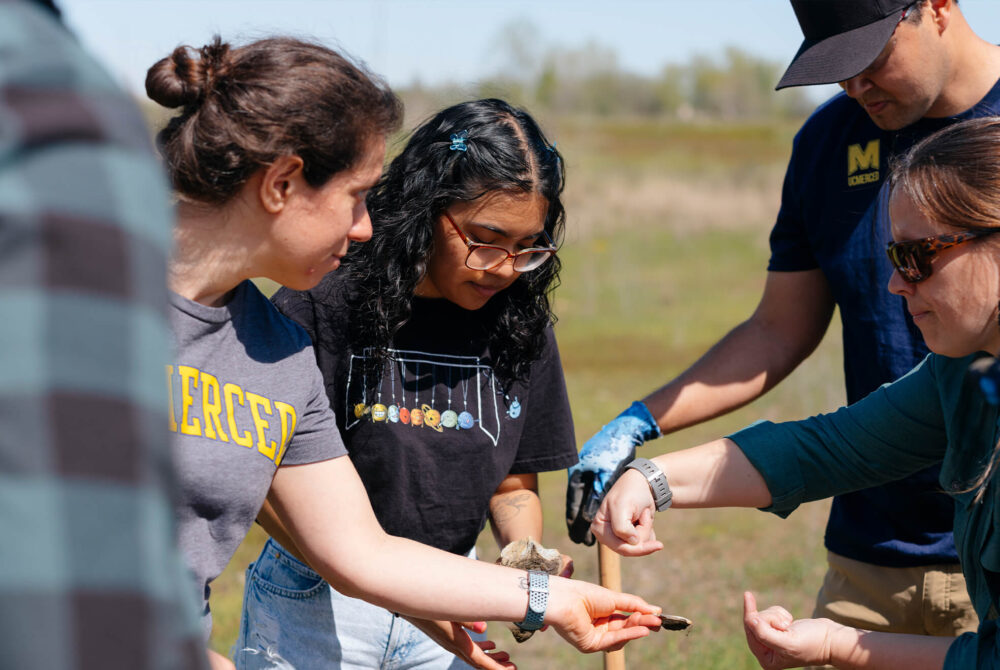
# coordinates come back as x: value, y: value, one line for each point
x: 526, y: 554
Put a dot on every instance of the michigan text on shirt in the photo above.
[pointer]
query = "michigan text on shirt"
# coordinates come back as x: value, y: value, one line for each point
x: 863, y: 163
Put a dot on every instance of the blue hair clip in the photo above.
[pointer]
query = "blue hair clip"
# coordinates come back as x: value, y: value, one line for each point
x: 551, y: 148
x: 458, y: 140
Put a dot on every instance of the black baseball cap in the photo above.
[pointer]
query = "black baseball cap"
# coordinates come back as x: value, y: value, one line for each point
x: 842, y: 38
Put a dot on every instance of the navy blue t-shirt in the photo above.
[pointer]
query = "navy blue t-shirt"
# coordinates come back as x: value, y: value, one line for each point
x: 831, y: 218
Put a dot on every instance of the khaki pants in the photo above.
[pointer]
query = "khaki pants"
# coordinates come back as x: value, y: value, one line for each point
x: 926, y: 600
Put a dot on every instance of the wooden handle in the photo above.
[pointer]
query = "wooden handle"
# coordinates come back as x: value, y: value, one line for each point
x: 610, y: 567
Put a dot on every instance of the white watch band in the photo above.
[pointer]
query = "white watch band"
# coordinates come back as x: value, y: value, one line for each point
x: 538, y: 600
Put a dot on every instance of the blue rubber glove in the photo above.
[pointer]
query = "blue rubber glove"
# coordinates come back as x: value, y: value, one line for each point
x: 602, y: 459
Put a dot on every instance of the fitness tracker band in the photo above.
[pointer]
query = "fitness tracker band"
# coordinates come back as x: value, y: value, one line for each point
x: 662, y: 495
x: 538, y: 600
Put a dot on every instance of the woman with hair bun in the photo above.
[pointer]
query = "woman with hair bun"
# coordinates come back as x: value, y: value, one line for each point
x: 436, y: 345
x: 274, y: 150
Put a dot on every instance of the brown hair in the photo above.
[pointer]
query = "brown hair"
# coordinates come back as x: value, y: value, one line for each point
x: 244, y: 107
x: 917, y: 13
x: 953, y: 176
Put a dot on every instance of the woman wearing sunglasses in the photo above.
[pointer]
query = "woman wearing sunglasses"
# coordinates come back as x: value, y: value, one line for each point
x: 436, y: 345
x: 944, y: 205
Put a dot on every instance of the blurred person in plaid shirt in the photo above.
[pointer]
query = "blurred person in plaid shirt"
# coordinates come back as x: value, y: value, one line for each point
x: 90, y: 575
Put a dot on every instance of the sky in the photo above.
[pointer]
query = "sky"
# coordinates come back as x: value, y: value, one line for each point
x: 455, y: 41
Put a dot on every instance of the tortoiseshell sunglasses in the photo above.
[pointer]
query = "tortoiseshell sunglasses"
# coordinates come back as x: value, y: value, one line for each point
x: 912, y: 259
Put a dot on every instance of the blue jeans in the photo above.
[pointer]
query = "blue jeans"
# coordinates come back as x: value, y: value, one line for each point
x: 293, y: 619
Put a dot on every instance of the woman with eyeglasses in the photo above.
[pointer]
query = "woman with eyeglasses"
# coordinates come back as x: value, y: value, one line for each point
x: 436, y: 345
x: 272, y: 153
x: 944, y: 205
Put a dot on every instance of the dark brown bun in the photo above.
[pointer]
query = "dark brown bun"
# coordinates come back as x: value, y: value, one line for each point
x: 186, y: 75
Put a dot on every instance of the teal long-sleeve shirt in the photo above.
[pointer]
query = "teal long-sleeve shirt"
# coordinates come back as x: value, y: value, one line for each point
x: 934, y: 414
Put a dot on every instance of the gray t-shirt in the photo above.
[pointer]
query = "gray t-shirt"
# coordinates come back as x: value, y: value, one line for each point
x: 245, y: 397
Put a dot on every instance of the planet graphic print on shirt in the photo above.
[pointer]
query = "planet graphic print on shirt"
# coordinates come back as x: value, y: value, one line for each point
x: 423, y: 390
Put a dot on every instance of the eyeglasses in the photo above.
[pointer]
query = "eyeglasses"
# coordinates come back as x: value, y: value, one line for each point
x: 912, y: 258
x: 488, y: 256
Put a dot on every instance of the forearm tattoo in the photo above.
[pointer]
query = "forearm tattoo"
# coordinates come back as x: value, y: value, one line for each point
x: 505, y: 508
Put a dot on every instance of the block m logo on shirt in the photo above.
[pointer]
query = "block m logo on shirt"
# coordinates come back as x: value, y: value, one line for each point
x: 863, y: 163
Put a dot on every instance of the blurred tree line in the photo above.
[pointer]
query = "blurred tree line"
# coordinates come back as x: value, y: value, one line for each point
x: 589, y: 80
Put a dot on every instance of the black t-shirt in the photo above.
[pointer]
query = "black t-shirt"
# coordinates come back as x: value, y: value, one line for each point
x: 433, y: 440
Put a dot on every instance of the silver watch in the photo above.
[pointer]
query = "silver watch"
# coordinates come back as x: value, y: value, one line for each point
x: 662, y: 495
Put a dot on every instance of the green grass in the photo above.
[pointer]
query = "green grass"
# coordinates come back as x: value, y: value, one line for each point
x: 736, y: 150
x: 621, y: 335
x: 642, y: 296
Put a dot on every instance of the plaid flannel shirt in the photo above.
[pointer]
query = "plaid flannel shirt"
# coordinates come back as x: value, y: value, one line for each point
x: 90, y: 576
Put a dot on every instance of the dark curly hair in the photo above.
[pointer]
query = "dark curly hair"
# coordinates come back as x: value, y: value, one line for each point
x: 505, y: 151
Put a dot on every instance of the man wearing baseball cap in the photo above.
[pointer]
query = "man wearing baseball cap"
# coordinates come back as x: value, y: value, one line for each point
x: 906, y: 69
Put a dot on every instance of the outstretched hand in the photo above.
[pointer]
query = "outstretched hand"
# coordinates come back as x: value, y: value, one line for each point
x: 779, y: 641
x: 593, y: 618
x: 454, y: 637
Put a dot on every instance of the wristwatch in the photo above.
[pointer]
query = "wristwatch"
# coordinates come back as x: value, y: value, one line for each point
x: 538, y: 600
x: 662, y: 495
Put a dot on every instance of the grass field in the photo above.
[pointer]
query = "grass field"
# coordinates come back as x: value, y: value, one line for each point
x: 665, y: 252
